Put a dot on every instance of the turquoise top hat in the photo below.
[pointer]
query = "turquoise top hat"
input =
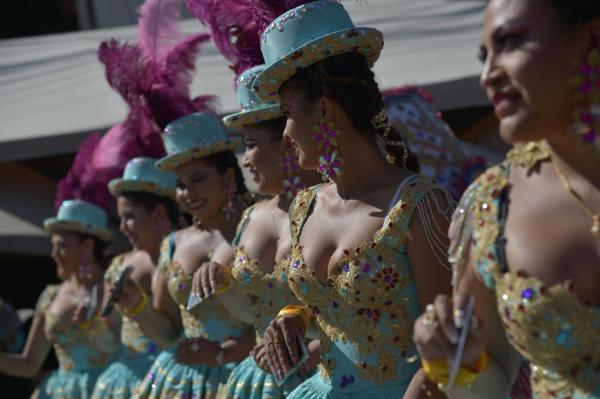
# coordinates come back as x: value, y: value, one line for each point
x: 253, y: 110
x: 307, y: 34
x: 192, y: 137
x: 141, y: 175
x: 81, y: 217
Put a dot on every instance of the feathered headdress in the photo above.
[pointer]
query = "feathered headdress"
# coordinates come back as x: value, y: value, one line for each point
x: 153, y: 77
x: 236, y: 26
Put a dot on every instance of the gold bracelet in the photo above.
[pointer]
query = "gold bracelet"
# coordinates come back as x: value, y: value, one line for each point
x: 297, y: 310
x: 438, y: 372
x: 228, y: 281
x: 141, y: 305
x: 87, y: 324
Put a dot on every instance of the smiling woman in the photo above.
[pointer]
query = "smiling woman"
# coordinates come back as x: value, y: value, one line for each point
x: 526, y: 236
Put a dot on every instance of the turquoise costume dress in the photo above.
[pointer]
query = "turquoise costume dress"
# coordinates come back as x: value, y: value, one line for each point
x: 548, y: 325
x: 79, y: 362
x: 210, y: 320
x: 365, y: 314
x: 138, y: 352
x: 269, y: 292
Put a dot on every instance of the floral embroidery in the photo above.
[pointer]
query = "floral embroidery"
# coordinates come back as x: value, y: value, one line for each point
x: 370, y: 303
x: 210, y: 319
x: 549, y: 326
x: 69, y: 343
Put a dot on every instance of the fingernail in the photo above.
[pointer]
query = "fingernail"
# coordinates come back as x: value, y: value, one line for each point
x: 453, y: 337
x: 459, y: 318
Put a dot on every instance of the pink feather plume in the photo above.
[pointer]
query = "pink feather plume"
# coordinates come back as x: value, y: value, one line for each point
x: 72, y: 185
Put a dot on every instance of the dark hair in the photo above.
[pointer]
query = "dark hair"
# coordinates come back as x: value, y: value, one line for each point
x: 275, y: 126
x: 100, y: 248
x: 225, y: 160
x: 150, y: 201
x: 576, y: 12
x: 348, y: 80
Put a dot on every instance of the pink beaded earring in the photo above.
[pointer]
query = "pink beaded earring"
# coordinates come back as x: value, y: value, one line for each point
x: 228, y: 208
x: 291, y: 172
x: 330, y: 162
x: 586, y: 82
x: 85, y: 267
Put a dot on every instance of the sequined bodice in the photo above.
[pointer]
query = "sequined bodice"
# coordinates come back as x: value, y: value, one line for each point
x: 269, y: 292
x: 73, y: 349
x: 548, y: 325
x: 210, y: 319
x: 132, y: 338
x: 366, y: 312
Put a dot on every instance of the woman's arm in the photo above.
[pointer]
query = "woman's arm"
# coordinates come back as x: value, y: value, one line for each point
x: 28, y: 363
x: 436, y: 333
x: 160, y: 320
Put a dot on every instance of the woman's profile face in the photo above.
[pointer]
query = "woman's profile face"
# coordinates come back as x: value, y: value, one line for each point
x: 200, y: 189
x: 300, y: 127
x: 138, y: 224
x: 528, y: 54
x: 262, y: 157
x: 67, y: 252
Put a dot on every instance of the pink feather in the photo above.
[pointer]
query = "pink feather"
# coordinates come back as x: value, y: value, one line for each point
x: 69, y: 186
x: 181, y: 61
x: 125, y: 69
x: 158, y: 28
x: 233, y: 30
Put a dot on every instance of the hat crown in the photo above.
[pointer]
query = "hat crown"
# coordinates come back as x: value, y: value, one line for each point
x: 196, y: 130
x: 303, y: 24
x: 82, y: 212
x: 143, y: 169
x: 246, y: 96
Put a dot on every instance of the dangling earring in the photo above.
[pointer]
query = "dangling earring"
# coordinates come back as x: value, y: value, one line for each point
x: 85, y: 268
x: 330, y: 162
x: 161, y: 228
x: 291, y: 172
x: 587, y: 86
x: 228, y: 208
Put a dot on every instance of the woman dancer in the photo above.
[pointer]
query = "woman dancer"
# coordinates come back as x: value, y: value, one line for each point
x: 525, y: 239
x: 210, y: 187
x: 146, y: 206
x: 83, y: 346
x: 263, y: 252
x: 368, y: 247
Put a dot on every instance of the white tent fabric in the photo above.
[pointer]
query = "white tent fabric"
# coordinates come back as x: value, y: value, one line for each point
x: 53, y: 89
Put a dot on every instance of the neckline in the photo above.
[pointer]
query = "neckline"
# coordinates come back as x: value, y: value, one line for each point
x: 255, y: 264
x: 351, y: 253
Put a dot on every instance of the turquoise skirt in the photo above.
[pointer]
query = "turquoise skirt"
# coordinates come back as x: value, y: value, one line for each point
x: 168, y: 379
x: 316, y: 388
x: 121, y: 378
x: 62, y: 384
x: 248, y: 381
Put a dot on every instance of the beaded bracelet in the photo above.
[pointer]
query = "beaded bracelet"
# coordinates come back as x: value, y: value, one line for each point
x: 228, y: 281
x: 295, y: 310
x: 141, y: 305
x: 438, y: 372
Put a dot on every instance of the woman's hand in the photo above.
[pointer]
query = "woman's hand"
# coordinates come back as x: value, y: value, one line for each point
x: 80, y: 313
x: 209, y: 278
x: 259, y: 353
x: 281, y: 340
x: 197, y: 351
x: 436, y: 331
x: 130, y: 296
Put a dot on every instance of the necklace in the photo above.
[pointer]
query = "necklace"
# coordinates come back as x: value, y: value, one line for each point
x: 595, y: 229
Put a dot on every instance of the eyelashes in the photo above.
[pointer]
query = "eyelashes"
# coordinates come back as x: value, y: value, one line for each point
x: 502, y: 42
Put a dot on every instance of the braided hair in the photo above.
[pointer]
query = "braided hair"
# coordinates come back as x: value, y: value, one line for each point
x: 348, y: 80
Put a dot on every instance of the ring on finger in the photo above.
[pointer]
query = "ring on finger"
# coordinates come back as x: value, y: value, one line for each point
x: 429, y: 317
